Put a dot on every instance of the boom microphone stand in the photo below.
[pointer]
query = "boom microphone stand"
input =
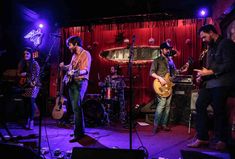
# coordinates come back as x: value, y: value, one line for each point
x: 131, y: 87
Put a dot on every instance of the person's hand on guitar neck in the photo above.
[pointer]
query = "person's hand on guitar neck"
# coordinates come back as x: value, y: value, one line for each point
x: 184, y: 68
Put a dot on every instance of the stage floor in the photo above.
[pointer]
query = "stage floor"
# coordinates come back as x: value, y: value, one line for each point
x: 163, y: 145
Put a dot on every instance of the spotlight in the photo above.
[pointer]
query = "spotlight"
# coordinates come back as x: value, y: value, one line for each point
x: 40, y: 25
x: 203, y: 12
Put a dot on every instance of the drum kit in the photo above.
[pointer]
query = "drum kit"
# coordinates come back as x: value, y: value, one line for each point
x: 103, y: 108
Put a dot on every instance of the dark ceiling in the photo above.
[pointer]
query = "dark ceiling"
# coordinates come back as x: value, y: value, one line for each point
x: 67, y: 12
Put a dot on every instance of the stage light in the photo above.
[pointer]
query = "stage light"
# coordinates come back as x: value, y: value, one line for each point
x: 40, y: 25
x: 203, y: 12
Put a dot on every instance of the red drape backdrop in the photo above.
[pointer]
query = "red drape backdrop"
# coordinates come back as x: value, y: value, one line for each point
x: 182, y: 33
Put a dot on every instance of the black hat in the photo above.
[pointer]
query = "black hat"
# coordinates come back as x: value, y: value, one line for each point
x: 165, y: 45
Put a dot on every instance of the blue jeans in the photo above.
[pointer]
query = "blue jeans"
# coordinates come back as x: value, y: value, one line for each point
x: 29, y: 108
x: 162, y: 111
x: 77, y: 90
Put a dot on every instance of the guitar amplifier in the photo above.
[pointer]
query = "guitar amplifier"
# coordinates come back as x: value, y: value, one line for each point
x: 180, y: 104
x: 183, y: 79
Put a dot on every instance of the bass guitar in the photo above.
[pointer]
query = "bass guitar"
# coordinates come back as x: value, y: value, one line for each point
x: 166, y: 89
x: 60, y: 108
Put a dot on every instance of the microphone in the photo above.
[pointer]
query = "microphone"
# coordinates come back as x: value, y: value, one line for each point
x: 55, y: 35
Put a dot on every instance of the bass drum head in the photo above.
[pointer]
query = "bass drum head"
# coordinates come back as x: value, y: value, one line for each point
x: 93, y: 113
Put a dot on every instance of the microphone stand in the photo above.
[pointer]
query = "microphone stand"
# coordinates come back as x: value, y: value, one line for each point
x: 131, y: 87
x: 40, y: 116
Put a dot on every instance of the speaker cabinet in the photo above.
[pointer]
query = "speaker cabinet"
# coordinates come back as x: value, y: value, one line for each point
x: 180, y: 104
x: 102, y: 153
x: 11, y: 151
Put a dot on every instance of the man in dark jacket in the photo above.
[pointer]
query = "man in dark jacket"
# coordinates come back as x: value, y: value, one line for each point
x: 217, y: 77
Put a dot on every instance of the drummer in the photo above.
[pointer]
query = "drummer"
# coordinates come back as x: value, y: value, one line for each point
x: 116, y: 82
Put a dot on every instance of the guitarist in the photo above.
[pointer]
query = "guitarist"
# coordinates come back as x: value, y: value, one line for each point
x: 217, y: 76
x: 28, y: 72
x: 159, y: 68
x: 81, y: 61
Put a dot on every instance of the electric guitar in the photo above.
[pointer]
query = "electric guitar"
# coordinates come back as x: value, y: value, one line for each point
x: 23, y: 82
x: 69, y: 76
x: 163, y: 90
x: 60, y: 108
x: 166, y: 89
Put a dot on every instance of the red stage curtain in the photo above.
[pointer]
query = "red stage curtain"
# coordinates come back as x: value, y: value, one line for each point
x: 182, y: 34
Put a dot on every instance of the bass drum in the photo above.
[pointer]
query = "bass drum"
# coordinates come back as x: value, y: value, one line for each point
x: 94, y: 113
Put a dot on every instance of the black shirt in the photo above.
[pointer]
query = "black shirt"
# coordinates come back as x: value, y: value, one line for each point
x: 221, y: 59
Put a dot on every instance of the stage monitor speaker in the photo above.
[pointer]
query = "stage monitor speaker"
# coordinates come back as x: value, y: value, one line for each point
x: 197, y: 155
x: 11, y: 151
x: 103, y: 153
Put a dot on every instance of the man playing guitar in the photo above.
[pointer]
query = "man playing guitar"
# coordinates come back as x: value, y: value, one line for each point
x: 159, y: 68
x: 78, y: 74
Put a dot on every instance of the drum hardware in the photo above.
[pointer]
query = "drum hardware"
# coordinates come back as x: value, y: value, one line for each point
x: 94, y: 112
x: 103, y: 108
x: 99, y: 111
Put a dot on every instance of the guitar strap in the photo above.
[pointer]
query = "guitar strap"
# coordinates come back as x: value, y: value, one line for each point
x: 76, y: 61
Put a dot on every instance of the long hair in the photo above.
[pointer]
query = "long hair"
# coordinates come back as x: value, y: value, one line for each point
x: 26, y: 65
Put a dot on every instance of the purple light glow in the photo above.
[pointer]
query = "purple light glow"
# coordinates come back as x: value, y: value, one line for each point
x: 40, y: 25
x: 203, y: 12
